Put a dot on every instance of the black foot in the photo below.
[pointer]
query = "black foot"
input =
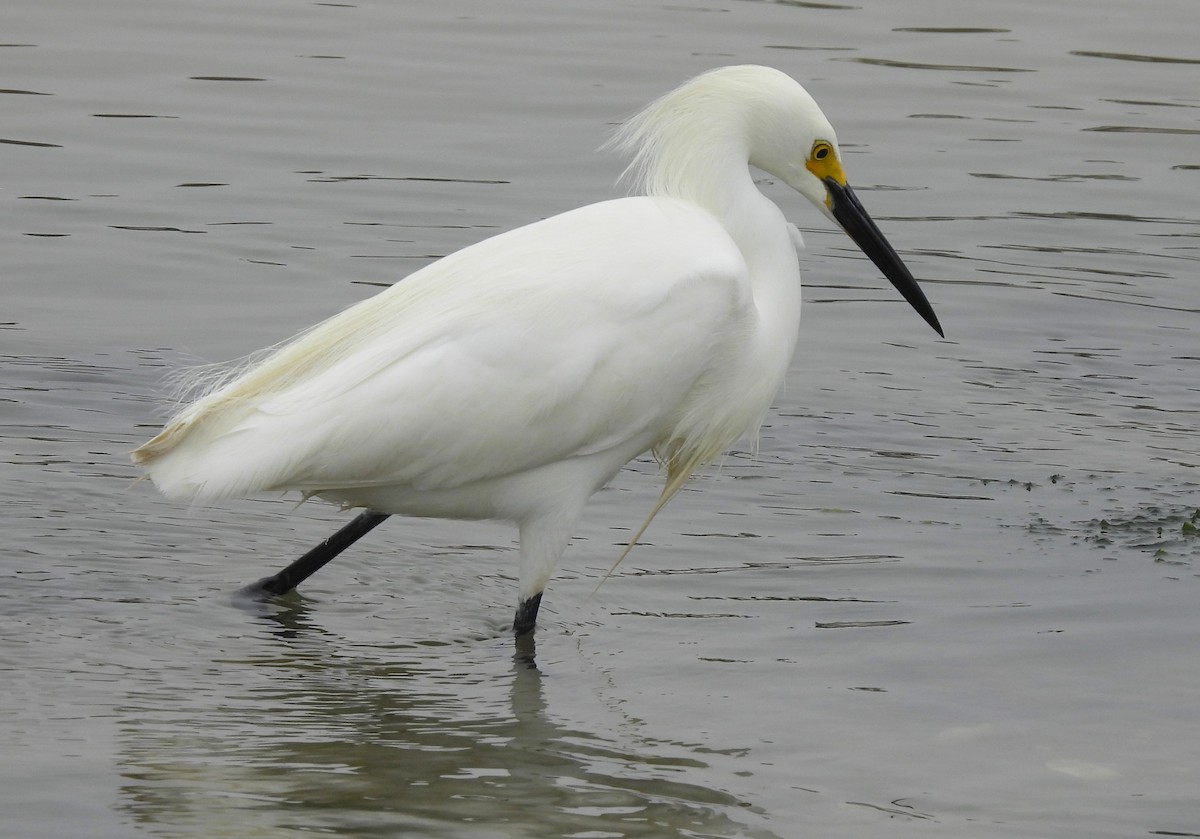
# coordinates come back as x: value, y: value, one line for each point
x: 265, y: 588
x: 526, y: 618
x: 314, y: 560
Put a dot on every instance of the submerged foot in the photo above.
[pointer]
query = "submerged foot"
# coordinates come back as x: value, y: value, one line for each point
x: 266, y: 588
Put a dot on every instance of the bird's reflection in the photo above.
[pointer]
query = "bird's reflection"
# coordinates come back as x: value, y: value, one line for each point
x: 315, y: 733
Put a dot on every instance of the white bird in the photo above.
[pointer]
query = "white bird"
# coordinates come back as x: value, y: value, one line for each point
x: 513, y: 379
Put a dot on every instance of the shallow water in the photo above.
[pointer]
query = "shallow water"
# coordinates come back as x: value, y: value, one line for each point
x: 953, y: 594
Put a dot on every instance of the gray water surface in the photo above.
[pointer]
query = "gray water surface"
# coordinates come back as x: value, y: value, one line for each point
x: 953, y: 593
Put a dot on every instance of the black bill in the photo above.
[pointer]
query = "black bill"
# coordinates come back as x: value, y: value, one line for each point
x: 849, y: 213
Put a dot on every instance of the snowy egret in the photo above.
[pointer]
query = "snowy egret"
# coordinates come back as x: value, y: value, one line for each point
x: 513, y: 379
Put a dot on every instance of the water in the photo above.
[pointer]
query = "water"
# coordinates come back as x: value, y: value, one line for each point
x: 953, y: 594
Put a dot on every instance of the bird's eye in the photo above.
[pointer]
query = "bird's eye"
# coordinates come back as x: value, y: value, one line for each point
x: 821, y: 151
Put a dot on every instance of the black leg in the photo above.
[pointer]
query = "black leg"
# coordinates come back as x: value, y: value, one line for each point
x: 526, y: 617
x: 315, y: 560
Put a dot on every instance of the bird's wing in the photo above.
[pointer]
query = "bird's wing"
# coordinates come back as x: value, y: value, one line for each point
x: 563, y: 338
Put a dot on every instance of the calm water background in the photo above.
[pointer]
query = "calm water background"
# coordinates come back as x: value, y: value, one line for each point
x: 954, y: 594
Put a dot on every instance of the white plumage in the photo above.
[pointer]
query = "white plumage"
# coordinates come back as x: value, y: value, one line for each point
x: 514, y: 378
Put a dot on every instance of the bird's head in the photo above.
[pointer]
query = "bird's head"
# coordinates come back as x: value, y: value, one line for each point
x: 790, y: 138
x: 682, y: 145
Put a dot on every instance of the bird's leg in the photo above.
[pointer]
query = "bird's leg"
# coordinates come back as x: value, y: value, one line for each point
x: 543, y: 540
x: 316, y: 559
x: 526, y: 618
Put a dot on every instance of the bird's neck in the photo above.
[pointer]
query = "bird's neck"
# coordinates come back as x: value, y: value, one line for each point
x: 712, y: 171
x: 766, y: 241
x: 768, y: 245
